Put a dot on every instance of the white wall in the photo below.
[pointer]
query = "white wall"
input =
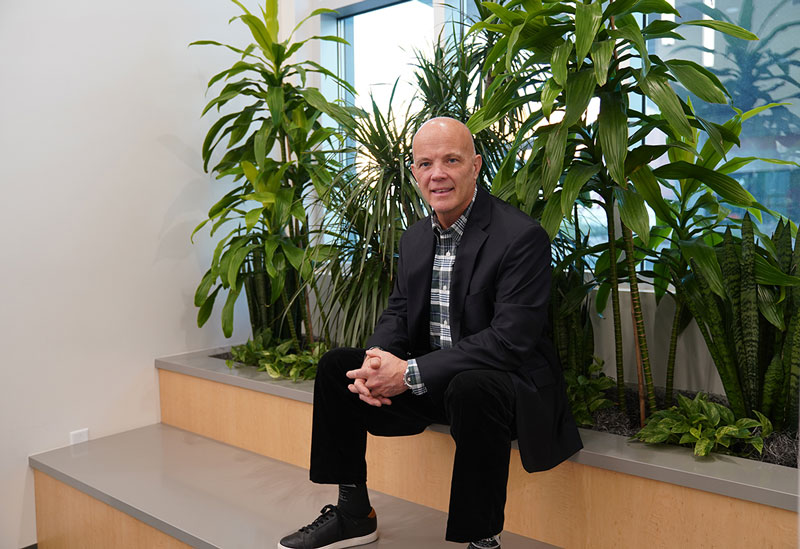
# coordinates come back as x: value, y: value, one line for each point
x: 102, y: 183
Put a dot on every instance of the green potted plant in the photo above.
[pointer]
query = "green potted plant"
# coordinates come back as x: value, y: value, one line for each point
x: 276, y: 152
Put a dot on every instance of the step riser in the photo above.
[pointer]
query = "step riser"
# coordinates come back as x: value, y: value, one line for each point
x: 69, y: 519
x: 573, y: 505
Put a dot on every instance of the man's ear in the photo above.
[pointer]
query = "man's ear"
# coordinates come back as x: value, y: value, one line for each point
x: 477, y: 161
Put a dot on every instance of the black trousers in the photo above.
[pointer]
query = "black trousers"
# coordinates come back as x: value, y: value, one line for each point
x: 478, y: 405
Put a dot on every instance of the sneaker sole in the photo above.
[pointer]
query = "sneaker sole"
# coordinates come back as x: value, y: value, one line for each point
x: 350, y: 542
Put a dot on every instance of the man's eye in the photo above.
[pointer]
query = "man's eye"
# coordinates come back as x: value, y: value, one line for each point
x: 452, y: 160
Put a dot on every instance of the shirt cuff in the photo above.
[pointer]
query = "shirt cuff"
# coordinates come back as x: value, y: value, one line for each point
x: 414, y: 378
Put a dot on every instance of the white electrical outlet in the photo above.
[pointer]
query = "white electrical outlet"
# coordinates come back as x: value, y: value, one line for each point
x: 81, y: 435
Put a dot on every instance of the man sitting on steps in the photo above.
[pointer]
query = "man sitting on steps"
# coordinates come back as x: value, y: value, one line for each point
x: 462, y: 342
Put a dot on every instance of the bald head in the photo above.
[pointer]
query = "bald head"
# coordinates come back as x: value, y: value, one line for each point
x: 447, y: 127
x: 446, y: 167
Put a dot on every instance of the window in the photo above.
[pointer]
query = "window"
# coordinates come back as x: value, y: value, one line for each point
x: 382, y: 50
x: 755, y: 73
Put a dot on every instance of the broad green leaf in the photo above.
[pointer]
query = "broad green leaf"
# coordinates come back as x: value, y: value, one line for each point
x: 580, y: 89
x: 768, y: 305
x: 715, y: 139
x: 588, y: 18
x: 235, y: 265
x: 628, y: 29
x: 252, y: 217
x: 734, y: 164
x: 260, y: 145
x: 723, y: 26
x: 504, y: 14
x: 201, y: 294
x: 618, y: 7
x: 511, y: 52
x: 703, y: 446
x: 648, y: 187
x: 269, y: 252
x: 250, y: 171
x: 767, y: 273
x: 558, y: 64
x: 227, y: 310
x: 293, y: 254
x: 275, y: 103
x: 698, y: 80
x: 758, y: 110
x: 657, y: 88
x: 554, y: 159
x: 766, y: 424
x: 273, y: 372
x: 633, y: 213
x: 613, y: 134
x: 706, y: 260
x: 550, y: 92
x: 259, y: 32
x: 206, y: 307
x: 724, y: 185
x: 576, y: 178
x: 551, y: 217
x: 601, y: 300
x: 601, y: 58
x: 271, y: 19
x: 298, y: 211
x: 654, y: 6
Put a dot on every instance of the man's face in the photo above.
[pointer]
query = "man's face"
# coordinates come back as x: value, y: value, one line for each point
x: 445, y: 167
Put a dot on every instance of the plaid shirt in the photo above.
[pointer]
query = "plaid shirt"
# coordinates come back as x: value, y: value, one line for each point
x: 444, y: 258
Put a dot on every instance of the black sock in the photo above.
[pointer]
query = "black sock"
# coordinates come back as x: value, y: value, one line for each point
x: 354, y: 500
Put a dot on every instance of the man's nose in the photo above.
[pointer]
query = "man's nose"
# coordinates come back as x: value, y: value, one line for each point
x: 437, y: 171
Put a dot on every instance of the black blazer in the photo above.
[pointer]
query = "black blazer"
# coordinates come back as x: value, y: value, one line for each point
x: 500, y: 287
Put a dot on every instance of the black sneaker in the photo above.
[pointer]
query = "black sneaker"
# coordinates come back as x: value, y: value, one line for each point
x: 487, y: 543
x: 333, y: 530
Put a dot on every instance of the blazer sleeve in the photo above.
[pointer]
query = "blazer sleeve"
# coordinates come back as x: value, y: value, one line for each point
x: 391, y: 331
x: 519, y: 318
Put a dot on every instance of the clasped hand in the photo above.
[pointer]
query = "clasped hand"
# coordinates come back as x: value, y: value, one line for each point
x: 379, y: 378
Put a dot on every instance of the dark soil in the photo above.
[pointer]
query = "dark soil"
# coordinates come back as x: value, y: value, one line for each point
x: 780, y: 448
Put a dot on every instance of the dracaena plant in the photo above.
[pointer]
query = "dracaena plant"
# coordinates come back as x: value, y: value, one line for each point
x: 595, y: 52
x: 274, y: 151
x: 693, y: 219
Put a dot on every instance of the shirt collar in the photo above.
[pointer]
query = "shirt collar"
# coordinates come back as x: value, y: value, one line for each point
x: 460, y: 223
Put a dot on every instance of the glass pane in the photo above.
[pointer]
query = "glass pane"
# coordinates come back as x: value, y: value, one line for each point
x: 755, y: 73
x: 383, y: 45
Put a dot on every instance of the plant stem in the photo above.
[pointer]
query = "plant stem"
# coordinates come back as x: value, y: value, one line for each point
x: 673, y: 345
x: 642, y: 355
x: 614, y: 281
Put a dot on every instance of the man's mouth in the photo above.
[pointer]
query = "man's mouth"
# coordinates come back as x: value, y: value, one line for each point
x: 441, y: 191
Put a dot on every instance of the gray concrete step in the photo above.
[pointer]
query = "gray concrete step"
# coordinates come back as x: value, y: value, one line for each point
x: 212, y: 495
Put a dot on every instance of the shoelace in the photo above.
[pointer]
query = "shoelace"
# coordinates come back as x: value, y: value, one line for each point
x: 326, y: 513
x: 489, y: 543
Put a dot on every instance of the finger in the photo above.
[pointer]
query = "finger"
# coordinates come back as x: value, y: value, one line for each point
x: 360, y: 373
x: 374, y: 353
x: 362, y: 388
x: 372, y: 401
x: 374, y: 362
x: 385, y: 401
x: 352, y: 388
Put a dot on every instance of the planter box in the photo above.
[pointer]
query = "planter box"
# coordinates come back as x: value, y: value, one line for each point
x: 614, y: 493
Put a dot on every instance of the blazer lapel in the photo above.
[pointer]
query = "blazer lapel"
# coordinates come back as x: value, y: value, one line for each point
x: 420, y: 269
x: 471, y: 243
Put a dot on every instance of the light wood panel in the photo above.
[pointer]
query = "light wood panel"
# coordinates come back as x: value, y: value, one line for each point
x: 269, y: 425
x: 67, y: 518
x: 573, y: 505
